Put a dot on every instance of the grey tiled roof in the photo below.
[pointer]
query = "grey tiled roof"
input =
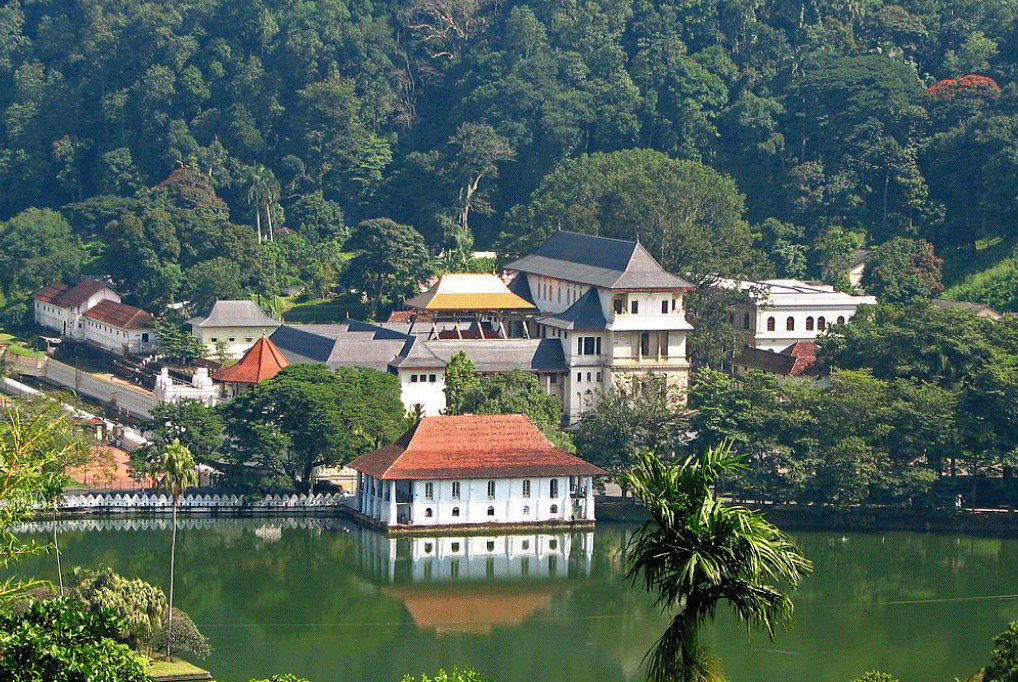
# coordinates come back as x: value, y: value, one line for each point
x: 488, y: 355
x: 520, y: 286
x: 584, y: 314
x: 351, y: 344
x: 598, y: 261
x: 235, y: 314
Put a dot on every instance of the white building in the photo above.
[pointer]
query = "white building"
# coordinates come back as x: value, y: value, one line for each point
x: 234, y: 324
x: 619, y: 316
x: 120, y: 328
x: 61, y: 307
x: 784, y: 311
x: 474, y: 471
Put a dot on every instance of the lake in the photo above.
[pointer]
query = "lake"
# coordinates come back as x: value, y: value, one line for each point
x: 328, y: 600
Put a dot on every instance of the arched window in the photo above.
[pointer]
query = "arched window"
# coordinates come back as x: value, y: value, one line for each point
x: 790, y: 324
x: 553, y: 544
x: 526, y: 488
x: 428, y: 513
x: 821, y: 323
x: 841, y: 319
x: 554, y: 509
x: 491, y: 511
x: 490, y: 545
x: 455, y: 511
x: 770, y: 324
x: 809, y: 324
x: 745, y: 321
x: 526, y: 512
x: 427, y: 547
x: 553, y: 488
x: 491, y: 490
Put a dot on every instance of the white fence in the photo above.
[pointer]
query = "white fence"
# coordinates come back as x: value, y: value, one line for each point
x: 136, y: 523
x: 128, y: 502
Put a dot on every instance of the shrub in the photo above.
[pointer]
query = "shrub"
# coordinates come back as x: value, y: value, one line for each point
x: 1004, y: 657
x: 465, y: 675
x: 183, y: 637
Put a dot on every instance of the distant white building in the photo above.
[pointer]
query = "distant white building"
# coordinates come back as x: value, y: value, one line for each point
x: 235, y: 324
x: 858, y: 266
x: 474, y: 471
x: 785, y: 311
x: 120, y: 328
x: 61, y: 307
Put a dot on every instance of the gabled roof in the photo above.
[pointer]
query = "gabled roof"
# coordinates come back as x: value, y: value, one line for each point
x: 50, y: 293
x: 796, y: 360
x: 472, y: 446
x: 469, y: 292
x: 520, y: 286
x: 354, y: 344
x: 488, y: 355
x: 120, y: 315
x: 598, y: 261
x: 235, y: 314
x: 261, y: 361
x: 584, y: 314
x: 68, y: 297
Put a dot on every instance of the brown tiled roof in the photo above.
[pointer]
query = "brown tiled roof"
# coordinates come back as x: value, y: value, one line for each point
x: 261, y: 361
x: 472, y: 446
x: 81, y: 292
x: 805, y: 354
x: 50, y: 293
x: 120, y: 315
x: 796, y: 360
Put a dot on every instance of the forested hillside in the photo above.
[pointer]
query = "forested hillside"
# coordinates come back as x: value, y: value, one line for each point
x: 766, y: 136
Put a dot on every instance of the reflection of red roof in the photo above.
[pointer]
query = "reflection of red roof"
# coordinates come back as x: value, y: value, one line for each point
x: 261, y: 361
x: 472, y: 446
x: 467, y: 609
x: 120, y: 315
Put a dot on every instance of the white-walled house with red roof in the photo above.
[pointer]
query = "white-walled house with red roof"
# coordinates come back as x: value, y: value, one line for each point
x: 474, y: 470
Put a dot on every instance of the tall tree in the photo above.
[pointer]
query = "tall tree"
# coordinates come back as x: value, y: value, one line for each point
x: 391, y: 261
x: 178, y: 473
x: 697, y: 551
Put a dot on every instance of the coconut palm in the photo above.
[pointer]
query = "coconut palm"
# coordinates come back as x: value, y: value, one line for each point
x: 52, y: 487
x: 697, y: 551
x: 178, y: 467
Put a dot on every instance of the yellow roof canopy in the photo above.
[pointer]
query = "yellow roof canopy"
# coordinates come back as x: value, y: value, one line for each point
x: 464, y: 292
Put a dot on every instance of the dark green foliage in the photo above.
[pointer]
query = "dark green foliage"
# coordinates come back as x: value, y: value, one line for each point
x: 139, y: 606
x: 308, y: 416
x: 182, y: 637
x: 176, y: 341
x: 61, y: 640
x: 454, y: 675
x: 1004, y: 658
x: 903, y: 269
x: 390, y: 261
x: 37, y: 247
x: 190, y: 422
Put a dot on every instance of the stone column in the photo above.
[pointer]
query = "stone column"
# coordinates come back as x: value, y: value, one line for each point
x: 589, y: 503
x: 392, y: 503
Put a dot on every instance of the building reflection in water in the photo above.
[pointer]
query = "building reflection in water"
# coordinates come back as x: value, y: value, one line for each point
x: 473, y: 583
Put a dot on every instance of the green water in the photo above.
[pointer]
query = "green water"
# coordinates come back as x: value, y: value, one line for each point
x: 332, y: 602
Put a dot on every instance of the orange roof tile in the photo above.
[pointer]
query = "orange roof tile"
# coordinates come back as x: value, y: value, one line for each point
x: 50, y: 293
x: 262, y: 361
x: 120, y: 315
x: 472, y: 446
x: 470, y: 291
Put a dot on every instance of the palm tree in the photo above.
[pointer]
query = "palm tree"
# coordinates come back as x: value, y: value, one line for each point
x: 262, y: 191
x: 52, y: 487
x: 697, y: 551
x: 178, y: 467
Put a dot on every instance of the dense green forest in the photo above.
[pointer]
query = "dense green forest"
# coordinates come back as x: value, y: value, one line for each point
x: 158, y: 141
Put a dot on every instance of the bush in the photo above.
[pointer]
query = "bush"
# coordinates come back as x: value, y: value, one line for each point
x: 465, y: 675
x: 1004, y: 658
x: 183, y: 637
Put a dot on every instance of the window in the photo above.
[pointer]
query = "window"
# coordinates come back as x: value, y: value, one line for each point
x: 553, y: 544
x: 559, y: 294
x: 526, y: 487
x: 809, y: 324
x: 427, y: 547
x: 432, y: 378
x: 553, y: 379
x: 579, y: 345
x: 429, y: 491
x: 144, y: 338
x: 599, y: 376
x: 588, y: 345
x: 664, y: 307
x: 588, y: 376
x: 526, y: 543
x: 491, y: 490
x: 645, y: 344
x: 579, y: 376
x: 619, y: 305
x: 554, y: 509
x: 454, y: 569
x: 490, y: 545
x: 428, y: 513
x: 553, y: 488
x: 455, y: 490
x: 526, y: 512
x: 745, y: 320
x: 413, y: 378
x: 213, y: 339
x: 455, y: 546
x: 634, y: 307
x: 232, y: 339
x: 841, y: 319
x: 770, y: 324
x: 597, y: 346
x: 491, y: 511
x: 249, y: 339
x: 455, y: 511
x: 790, y: 324
x: 821, y: 323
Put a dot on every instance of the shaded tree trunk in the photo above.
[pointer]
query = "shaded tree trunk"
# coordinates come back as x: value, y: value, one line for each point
x: 56, y: 548
x: 258, y: 222
x: 268, y: 217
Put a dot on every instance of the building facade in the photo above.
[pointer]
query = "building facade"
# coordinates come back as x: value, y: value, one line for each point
x: 785, y: 311
x: 233, y: 326
x: 120, y: 328
x: 61, y: 307
x: 474, y: 471
x: 619, y: 316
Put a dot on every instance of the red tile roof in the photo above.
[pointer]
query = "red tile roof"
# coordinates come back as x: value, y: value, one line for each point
x: 469, y: 446
x: 805, y: 354
x: 120, y: 315
x: 50, y: 293
x: 263, y: 360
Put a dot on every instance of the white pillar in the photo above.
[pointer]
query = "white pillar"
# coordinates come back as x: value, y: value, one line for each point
x: 392, y: 503
x: 589, y: 502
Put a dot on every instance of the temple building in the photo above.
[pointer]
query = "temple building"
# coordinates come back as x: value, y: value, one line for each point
x: 261, y: 361
x: 451, y: 471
